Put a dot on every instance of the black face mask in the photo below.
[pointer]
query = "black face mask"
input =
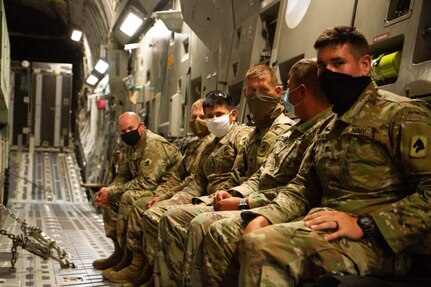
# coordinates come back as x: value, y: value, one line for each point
x: 131, y: 138
x: 342, y: 90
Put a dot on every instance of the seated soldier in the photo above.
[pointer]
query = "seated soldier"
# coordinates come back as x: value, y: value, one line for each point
x: 144, y: 165
x: 213, y: 169
x: 221, y: 243
x: 262, y: 93
x: 364, y: 184
x: 177, y: 180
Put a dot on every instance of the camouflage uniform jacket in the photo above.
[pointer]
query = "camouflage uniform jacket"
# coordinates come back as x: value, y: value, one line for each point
x: 216, y: 162
x: 257, y: 148
x: 145, y: 167
x: 183, y: 175
x: 374, y: 159
x: 283, y: 162
x: 253, y: 154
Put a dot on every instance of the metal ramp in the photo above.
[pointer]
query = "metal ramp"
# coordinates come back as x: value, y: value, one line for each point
x: 45, y: 190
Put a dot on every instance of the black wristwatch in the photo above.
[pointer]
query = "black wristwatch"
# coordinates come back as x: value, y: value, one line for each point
x: 367, y: 224
x: 243, y: 203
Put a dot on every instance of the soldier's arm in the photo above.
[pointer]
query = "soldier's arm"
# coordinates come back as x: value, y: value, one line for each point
x: 123, y: 174
x: 405, y: 222
x: 239, y: 168
x: 197, y: 186
x: 160, y: 158
x: 262, y: 198
x: 248, y: 187
x: 294, y: 199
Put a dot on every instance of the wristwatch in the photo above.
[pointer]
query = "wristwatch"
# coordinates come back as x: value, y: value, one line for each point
x: 243, y: 203
x: 367, y: 224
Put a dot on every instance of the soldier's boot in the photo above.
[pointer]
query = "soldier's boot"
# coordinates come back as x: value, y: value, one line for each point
x: 129, y: 273
x: 145, y: 275
x: 112, y: 260
x: 124, y: 262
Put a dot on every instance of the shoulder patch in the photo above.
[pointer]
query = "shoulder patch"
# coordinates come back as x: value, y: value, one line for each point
x: 263, y: 149
x: 418, y: 146
x: 414, y: 148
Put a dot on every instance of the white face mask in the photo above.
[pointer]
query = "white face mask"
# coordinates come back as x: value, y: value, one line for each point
x: 219, y: 126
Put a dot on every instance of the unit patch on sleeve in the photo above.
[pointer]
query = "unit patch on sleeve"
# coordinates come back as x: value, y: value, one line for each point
x: 418, y: 146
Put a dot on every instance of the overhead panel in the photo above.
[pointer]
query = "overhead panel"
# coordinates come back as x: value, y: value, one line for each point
x: 173, y: 19
x: 150, y: 5
x: 207, y: 19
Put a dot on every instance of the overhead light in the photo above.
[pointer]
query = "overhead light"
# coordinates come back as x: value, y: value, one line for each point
x: 101, y: 66
x: 76, y: 35
x: 131, y: 24
x: 92, y: 80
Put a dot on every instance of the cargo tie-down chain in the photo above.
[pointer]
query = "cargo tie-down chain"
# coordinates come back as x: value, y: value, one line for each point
x: 34, y: 241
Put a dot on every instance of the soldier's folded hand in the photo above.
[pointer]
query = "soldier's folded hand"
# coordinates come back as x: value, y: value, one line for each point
x: 220, y: 195
x: 231, y: 203
x: 343, y: 224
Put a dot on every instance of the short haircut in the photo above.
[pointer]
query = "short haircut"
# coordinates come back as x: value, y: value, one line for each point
x: 197, y: 104
x: 262, y: 72
x: 217, y: 98
x: 341, y: 35
x: 305, y: 72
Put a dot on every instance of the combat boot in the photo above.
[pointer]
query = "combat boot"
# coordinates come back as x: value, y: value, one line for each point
x: 112, y: 260
x: 145, y: 275
x: 130, y: 273
x: 123, y: 263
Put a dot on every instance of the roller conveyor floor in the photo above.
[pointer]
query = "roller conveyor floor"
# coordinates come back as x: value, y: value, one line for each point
x: 45, y: 191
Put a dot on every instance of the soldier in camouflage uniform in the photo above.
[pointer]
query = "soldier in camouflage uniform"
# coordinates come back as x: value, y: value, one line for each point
x: 177, y: 181
x: 214, y: 167
x: 262, y: 94
x: 145, y: 164
x: 368, y: 171
x: 221, y: 242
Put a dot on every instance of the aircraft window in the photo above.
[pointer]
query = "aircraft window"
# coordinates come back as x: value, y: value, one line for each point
x: 295, y: 12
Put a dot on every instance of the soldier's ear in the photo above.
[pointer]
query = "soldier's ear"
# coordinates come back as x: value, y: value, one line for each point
x: 233, y: 114
x: 365, y: 65
x: 278, y: 90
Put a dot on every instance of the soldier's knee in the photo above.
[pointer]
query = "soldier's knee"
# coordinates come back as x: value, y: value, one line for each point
x: 127, y: 197
x: 251, y: 244
x: 201, y: 222
x: 213, y: 233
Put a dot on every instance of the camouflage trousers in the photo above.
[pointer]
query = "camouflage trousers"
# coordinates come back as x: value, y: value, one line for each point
x: 289, y: 253
x: 115, y: 215
x: 135, y: 239
x: 171, y: 241
x: 212, y: 239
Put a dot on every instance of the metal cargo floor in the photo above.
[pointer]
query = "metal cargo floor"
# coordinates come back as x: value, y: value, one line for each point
x: 45, y: 190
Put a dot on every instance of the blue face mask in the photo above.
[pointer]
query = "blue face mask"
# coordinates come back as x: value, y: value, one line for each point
x: 285, y: 102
